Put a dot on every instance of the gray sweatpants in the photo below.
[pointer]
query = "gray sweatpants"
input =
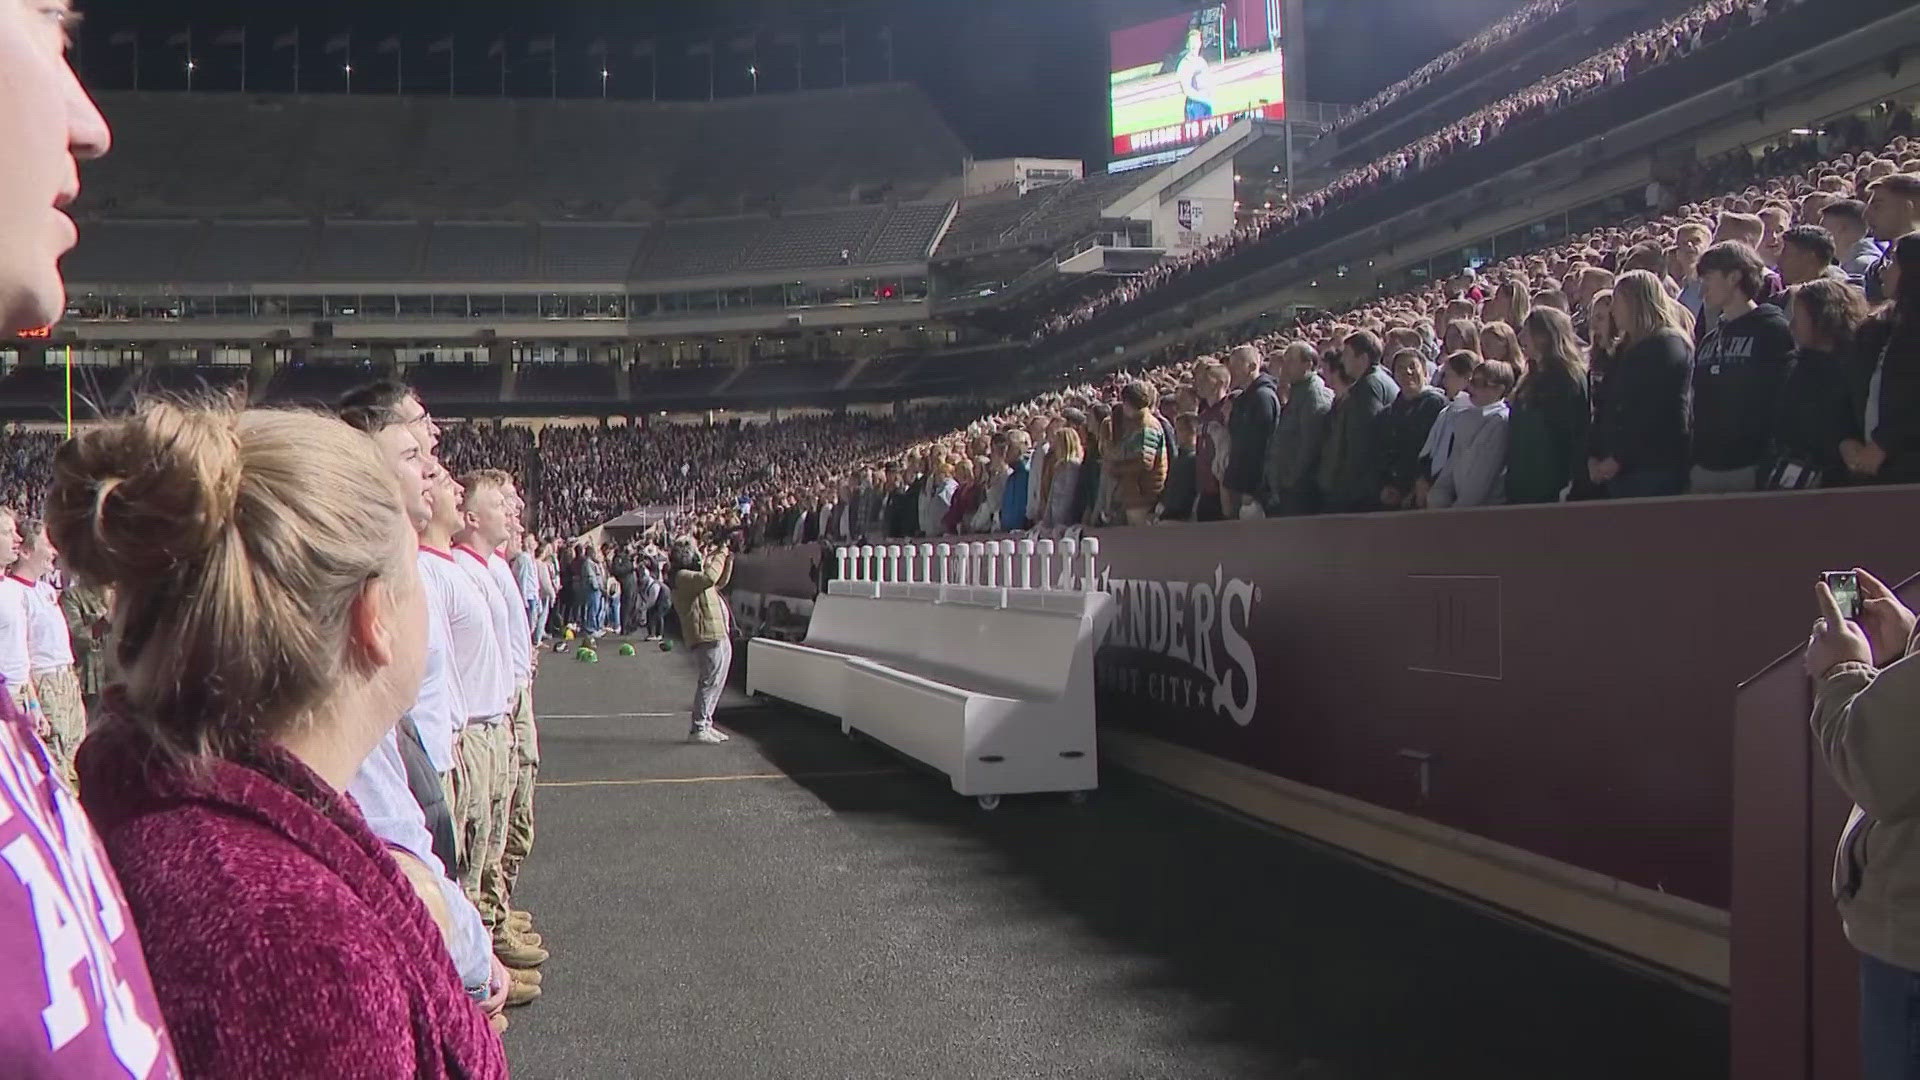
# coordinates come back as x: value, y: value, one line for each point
x: 713, y: 658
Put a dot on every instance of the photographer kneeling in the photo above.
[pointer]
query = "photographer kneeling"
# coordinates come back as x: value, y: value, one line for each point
x: 1866, y: 717
x: 696, y: 583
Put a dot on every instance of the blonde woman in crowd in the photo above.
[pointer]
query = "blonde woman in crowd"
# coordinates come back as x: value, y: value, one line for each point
x: 1463, y: 335
x: 1640, y: 443
x: 1510, y: 303
x: 1064, y: 461
x: 272, y: 631
x: 1499, y: 342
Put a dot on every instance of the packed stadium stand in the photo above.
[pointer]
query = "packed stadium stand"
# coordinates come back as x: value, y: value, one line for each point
x: 1560, y: 34
x: 1706, y: 47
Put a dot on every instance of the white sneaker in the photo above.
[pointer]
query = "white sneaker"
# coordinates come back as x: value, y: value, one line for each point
x: 723, y: 735
x: 707, y: 736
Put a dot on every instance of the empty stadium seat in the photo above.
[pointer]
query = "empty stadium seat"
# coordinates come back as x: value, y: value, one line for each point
x: 692, y: 248
x: 483, y: 252
x: 455, y: 385
x: 176, y: 380
x: 484, y: 158
x: 319, y: 383
x: 587, y: 253
x: 564, y: 382
x: 131, y: 251
x: 367, y: 251
x: 236, y: 252
x: 801, y: 240
x: 651, y: 384
x: 907, y: 234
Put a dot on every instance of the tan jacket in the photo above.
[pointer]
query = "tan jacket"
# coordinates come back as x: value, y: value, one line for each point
x: 1867, y: 724
x: 696, y: 598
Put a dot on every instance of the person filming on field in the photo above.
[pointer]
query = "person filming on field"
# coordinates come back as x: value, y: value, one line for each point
x: 696, y: 581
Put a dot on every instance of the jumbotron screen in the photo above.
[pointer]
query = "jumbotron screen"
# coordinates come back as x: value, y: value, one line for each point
x: 1178, y: 80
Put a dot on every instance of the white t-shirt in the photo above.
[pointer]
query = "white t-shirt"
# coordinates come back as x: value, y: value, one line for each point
x: 475, y: 564
x: 484, y: 674
x: 522, y: 630
x: 15, y: 655
x: 441, y: 708
x: 48, y: 645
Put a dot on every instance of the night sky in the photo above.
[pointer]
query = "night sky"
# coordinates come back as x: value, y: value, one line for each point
x: 1011, y: 76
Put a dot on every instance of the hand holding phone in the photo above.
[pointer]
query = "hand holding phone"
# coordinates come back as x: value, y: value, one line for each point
x: 1836, y: 639
x: 1845, y: 587
x: 1888, y: 623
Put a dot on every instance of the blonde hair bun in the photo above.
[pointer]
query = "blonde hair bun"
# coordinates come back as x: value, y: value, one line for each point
x: 137, y: 498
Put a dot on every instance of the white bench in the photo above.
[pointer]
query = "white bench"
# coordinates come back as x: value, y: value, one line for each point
x: 989, y: 684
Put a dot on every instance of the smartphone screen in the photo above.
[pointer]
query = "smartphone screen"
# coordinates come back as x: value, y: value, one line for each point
x: 1845, y: 586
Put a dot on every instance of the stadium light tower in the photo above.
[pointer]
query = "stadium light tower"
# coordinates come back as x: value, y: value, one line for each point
x: 603, y: 84
x: 348, y: 68
x: 755, y: 72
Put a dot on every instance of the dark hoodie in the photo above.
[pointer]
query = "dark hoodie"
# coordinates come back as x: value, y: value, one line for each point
x: 1250, y: 424
x: 1737, y: 372
x: 1404, y: 426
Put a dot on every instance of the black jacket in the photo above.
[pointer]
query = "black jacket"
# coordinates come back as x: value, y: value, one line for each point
x: 903, y: 511
x: 1250, y: 424
x: 1813, y: 414
x: 1897, y: 430
x: 424, y: 783
x: 1176, y: 499
x: 1737, y: 372
x: 1643, y: 419
x: 1404, y: 426
x: 1547, y: 436
x: 1348, y: 457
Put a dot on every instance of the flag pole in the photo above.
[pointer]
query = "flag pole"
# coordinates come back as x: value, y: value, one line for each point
x: 69, y: 391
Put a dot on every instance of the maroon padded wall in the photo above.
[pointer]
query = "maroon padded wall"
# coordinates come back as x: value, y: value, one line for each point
x: 1566, y: 673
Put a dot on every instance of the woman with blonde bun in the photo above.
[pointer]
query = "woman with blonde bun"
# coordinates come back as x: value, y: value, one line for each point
x: 271, y: 630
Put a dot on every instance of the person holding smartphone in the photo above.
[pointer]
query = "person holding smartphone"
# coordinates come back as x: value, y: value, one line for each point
x: 697, y: 579
x: 1866, y: 703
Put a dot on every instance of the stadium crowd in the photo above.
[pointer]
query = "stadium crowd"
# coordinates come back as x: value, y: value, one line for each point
x: 1533, y: 13
x: 1677, y: 37
x: 1766, y: 338
x: 267, y: 740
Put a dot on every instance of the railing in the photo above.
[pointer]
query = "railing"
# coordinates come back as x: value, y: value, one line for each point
x: 993, y: 564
